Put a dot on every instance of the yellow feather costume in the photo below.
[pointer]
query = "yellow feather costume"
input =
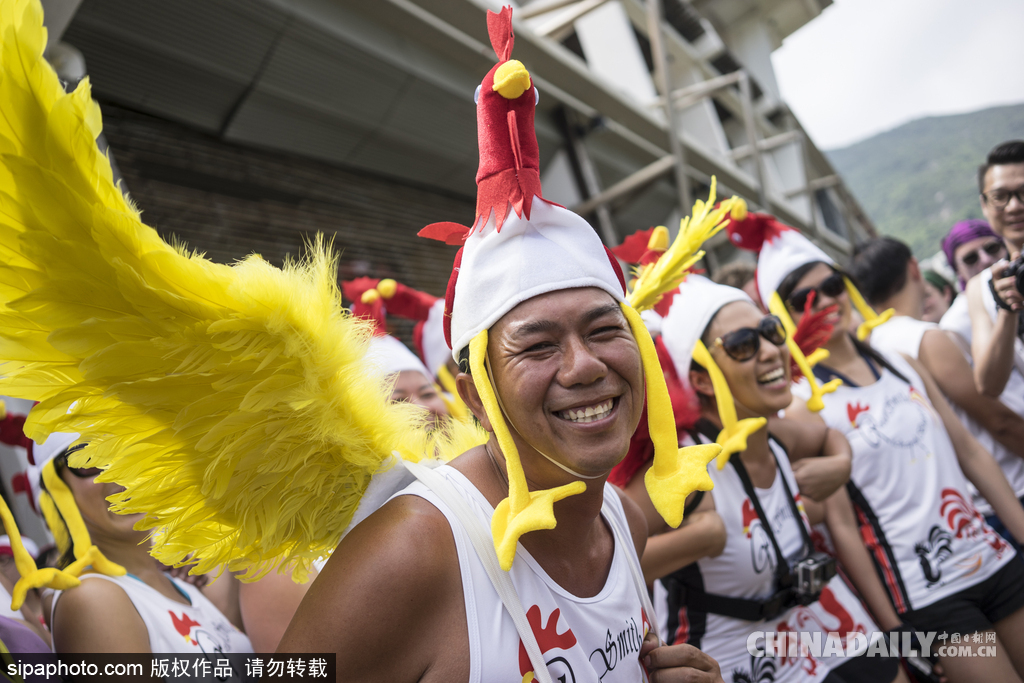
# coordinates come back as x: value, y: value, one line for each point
x: 232, y: 402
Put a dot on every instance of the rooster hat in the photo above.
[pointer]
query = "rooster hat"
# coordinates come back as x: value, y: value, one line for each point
x: 521, y: 246
x: 368, y: 297
x: 780, y: 250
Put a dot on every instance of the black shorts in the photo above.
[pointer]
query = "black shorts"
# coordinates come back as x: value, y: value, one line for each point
x: 977, y: 608
x: 865, y: 670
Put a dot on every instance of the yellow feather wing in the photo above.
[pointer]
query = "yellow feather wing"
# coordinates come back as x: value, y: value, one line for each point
x: 655, y: 280
x: 231, y: 402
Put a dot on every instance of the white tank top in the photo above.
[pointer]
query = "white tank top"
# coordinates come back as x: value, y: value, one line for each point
x: 582, y: 639
x: 903, y: 334
x: 924, y: 534
x: 745, y: 569
x: 199, y: 628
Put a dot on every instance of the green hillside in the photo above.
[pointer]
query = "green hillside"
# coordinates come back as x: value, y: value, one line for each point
x: 915, y: 181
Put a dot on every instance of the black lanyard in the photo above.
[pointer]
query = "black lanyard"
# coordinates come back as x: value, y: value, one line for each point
x: 782, y: 571
x: 826, y: 374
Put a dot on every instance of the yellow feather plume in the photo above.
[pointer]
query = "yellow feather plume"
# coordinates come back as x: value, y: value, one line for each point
x: 654, y: 281
x: 231, y: 402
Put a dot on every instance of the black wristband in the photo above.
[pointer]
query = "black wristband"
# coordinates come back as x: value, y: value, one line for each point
x: 995, y: 295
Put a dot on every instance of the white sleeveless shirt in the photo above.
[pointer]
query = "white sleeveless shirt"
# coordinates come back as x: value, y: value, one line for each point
x: 582, y: 639
x: 903, y: 334
x: 199, y: 628
x: 913, y: 505
x: 746, y: 569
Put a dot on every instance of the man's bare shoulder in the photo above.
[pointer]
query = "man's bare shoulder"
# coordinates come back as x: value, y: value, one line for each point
x: 405, y: 544
x: 394, y: 576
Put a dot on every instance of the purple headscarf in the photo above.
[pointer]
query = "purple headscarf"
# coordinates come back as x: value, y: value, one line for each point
x: 964, y: 232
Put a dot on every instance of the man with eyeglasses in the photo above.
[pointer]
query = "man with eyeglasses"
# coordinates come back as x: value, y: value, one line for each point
x: 993, y: 300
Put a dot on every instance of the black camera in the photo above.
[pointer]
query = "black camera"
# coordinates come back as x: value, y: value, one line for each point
x: 1015, y: 269
x: 811, y: 574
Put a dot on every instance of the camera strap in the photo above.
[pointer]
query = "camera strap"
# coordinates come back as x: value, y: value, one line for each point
x: 783, y: 574
x: 782, y: 571
x: 746, y: 609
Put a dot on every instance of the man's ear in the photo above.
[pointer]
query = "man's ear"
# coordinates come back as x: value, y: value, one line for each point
x: 466, y: 386
x: 914, y: 269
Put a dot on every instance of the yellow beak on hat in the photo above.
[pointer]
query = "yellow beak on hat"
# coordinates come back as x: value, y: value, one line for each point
x: 512, y: 79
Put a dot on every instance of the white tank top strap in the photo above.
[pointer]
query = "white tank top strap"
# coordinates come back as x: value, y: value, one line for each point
x: 484, y: 547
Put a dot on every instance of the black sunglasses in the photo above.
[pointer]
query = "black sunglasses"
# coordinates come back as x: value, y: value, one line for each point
x: 832, y: 286
x: 744, y: 343
x: 80, y: 472
x: 992, y: 249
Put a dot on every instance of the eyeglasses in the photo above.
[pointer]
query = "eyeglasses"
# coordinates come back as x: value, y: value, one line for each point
x: 998, y: 199
x: 992, y: 249
x: 832, y: 286
x: 744, y: 343
x: 80, y: 472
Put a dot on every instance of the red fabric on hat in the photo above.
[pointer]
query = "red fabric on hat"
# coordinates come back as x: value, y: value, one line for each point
x: 665, y: 303
x: 353, y: 291
x: 634, y: 248
x: 447, y: 232
x: 449, y: 298
x: 751, y: 232
x: 509, y: 171
x: 811, y: 333
x: 617, y: 269
x: 409, y: 303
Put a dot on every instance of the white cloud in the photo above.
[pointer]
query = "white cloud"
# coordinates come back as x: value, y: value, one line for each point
x: 865, y: 66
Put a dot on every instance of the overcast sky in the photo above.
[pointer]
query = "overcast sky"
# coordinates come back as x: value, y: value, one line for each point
x: 865, y: 66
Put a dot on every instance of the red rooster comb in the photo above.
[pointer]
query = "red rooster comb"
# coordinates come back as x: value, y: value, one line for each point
x: 364, y: 305
x: 509, y: 173
x: 750, y: 230
x: 499, y: 30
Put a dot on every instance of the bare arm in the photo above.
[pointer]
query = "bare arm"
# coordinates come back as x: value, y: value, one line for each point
x: 941, y: 356
x: 98, y: 616
x: 268, y: 606
x: 991, y: 342
x: 399, y: 566
x: 820, y: 457
x: 702, y: 533
x: 977, y: 463
x: 857, y: 564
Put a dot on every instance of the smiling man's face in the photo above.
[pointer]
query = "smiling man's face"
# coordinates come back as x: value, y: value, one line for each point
x: 568, y: 373
x: 1008, y: 219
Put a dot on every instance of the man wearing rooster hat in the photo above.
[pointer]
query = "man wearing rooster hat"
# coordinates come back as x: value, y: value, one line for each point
x: 238, y: 408
x: 552, y: 369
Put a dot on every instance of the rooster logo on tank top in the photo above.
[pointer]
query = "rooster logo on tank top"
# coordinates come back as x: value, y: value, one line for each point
x: 901, y: 422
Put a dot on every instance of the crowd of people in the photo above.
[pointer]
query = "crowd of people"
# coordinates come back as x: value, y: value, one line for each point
x: 608, y: 479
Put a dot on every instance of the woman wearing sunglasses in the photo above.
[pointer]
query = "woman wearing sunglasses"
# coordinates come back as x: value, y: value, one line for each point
x: 126, y: 602
x: 945, y: 570
x: 740, y: 370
